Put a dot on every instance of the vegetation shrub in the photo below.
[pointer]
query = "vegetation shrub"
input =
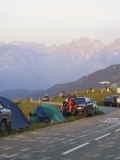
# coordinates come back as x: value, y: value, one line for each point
x: 27, y: 107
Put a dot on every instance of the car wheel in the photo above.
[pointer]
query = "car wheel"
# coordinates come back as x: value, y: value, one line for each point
x: 91, y: 112
x: 95, y: 110
x: 86, y: 113
x: 74, y: 112
x: 4, y: 126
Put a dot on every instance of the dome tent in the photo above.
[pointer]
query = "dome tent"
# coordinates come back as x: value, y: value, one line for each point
x: 38, y: 115
x: 46, y: 111
x: 18, y: 119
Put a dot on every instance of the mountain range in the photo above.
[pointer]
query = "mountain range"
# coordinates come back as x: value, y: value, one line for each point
x: 33, y: 66
x: 109, y: 76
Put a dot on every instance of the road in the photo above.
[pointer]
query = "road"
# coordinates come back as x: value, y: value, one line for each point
x: 95, y: 138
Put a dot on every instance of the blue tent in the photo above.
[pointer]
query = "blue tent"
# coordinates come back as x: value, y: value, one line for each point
x: 18, y: 118
x: 46, y: 111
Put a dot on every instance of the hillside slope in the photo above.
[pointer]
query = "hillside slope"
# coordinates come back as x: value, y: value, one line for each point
x: 111, y: 74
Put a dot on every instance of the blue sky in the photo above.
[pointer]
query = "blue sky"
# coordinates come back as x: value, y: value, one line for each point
x: 58, y: 21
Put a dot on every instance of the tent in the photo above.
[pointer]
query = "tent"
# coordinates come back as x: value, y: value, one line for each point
x: 46, y: 111
x: 18, y: 119
x: 38, y: 115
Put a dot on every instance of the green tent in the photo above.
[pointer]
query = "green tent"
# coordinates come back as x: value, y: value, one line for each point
x: 33, y: 116
x: 50, y: 111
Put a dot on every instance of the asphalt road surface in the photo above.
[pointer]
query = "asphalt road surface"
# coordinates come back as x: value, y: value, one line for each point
x: 95, y: 138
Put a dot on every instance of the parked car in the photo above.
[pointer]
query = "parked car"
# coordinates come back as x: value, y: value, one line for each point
x: 78, y: 105
x: 85, y: 105
x: 113, y: 100
x: 45, y: 98
x: 5, y: 118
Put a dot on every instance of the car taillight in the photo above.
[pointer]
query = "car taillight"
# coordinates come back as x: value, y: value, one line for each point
x: 80, y: 108
x: 118, y: 100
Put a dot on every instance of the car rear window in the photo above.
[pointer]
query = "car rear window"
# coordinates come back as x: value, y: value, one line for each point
x: 79, y: 100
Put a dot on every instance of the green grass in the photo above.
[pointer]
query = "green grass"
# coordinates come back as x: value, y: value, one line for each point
x: 26, y: 106
x: 57, y: 99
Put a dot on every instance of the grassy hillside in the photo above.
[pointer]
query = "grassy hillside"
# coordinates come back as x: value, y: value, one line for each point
x: 98, y: 94
x: 110, y: 74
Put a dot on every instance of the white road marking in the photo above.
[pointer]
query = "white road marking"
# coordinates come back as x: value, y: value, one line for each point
x: 112, y: 120
x: 9, y: 156
x: 113, y: 126
x: 117, y: 130
x: 101, y: 137
x: 75, y: 148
